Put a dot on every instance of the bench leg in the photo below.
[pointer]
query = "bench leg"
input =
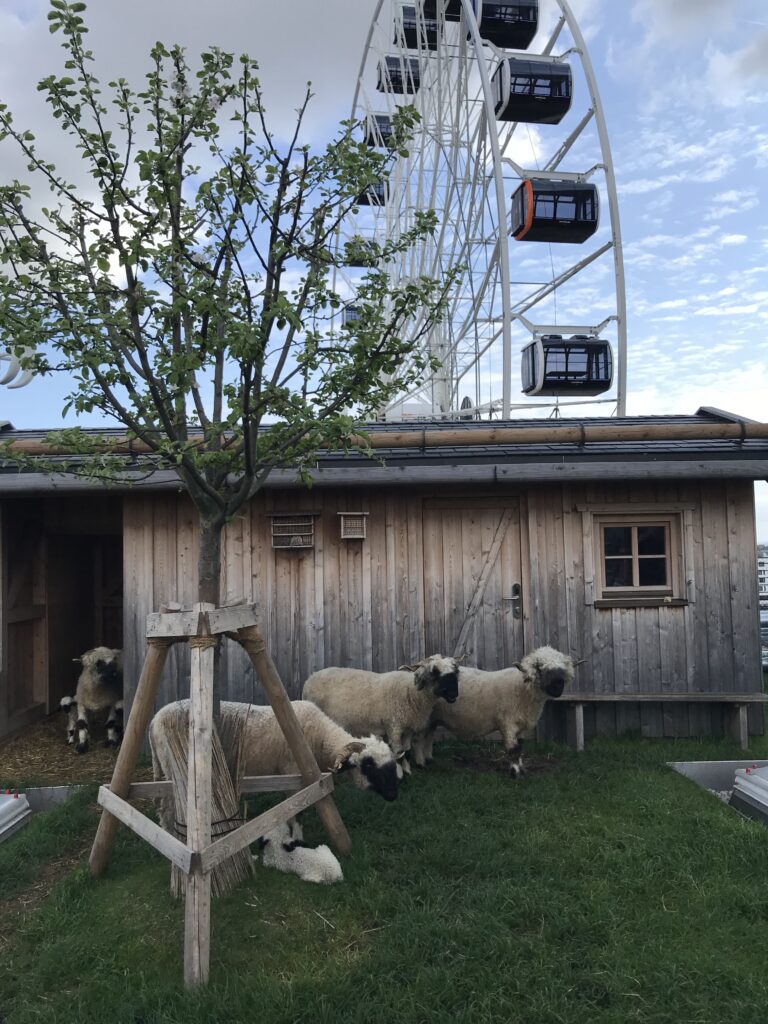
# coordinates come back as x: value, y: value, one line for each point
x: 738, y: 724
x: 575, y: 725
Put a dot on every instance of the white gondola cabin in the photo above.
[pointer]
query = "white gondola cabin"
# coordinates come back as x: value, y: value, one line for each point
x: 450, y: 9
x: 510, y: 26
x: 415, y: 31
x: 532, y: 91
x: 554, y: 211
x: 401, y: 75
x: 377, y: 130
x: 581, y: 365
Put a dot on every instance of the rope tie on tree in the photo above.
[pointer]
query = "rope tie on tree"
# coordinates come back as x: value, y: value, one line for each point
x: 203, y: 642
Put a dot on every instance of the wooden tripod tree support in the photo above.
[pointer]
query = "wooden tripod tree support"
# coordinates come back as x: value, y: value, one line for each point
x: 202, y: 627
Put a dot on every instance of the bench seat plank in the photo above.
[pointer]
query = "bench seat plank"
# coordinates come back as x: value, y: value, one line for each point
x: 736, y: 705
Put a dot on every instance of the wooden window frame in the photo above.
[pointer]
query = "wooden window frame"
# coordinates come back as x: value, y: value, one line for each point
x: 673, y: 592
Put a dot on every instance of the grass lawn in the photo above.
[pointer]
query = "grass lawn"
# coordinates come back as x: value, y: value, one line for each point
x: 602, y: 887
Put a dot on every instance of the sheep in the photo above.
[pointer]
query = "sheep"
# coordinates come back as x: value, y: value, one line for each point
x: 284, y: 849
x: 396, y: 705
x: 265, y: 750
x: 99, y: 688
x: 510, y: 700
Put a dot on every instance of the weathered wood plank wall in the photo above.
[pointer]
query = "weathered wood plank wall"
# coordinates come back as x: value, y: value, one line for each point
x: 404, y: 591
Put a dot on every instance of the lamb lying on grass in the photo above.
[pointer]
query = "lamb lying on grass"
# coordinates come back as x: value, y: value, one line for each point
x: 99, y: 688
x: 284, y: 849
x: 393, y: 704
x: 509, y: 701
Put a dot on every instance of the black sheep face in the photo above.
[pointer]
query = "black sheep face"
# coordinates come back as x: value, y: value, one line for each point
x: 440, y: 675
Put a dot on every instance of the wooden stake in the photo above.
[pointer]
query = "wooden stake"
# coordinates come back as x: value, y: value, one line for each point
x: 253, y: 642
x: 197, y: 909
x: 136, y: 727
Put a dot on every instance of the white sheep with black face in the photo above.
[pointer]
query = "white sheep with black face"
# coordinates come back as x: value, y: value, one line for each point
x: 396, y: 704
x: 509, y: 701
x: 99, y: 688
x: 285, y: 850
x: 368, y: 760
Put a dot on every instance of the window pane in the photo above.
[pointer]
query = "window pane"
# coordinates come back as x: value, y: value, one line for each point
x: 618, y: 572
x: 618, y: 540
x: 653, y: 572
x: 545, y: 206
x: 650, y: 540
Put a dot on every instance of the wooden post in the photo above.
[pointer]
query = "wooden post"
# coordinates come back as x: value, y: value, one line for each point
x: 738, y: 724
x: 253, y: 642
x: 197, y: 909
x: 136, y: 727
x: 575, y: 725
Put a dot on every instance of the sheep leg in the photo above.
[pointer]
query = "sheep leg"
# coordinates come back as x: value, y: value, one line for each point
x: 515, y: 754
x: 68, y: 704
x: 427, y: 742
x: 114, y: 725
x: 82, y: 729
x: 400, y: 748
x: 513, y: 745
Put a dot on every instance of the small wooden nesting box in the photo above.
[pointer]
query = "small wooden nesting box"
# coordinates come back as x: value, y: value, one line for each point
x: 352, y: 525
x: 294, y: 530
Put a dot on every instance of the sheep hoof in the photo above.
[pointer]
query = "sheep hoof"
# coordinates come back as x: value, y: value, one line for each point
x: 81, y: 748
x: 516, y: 770
x: 110, y: 743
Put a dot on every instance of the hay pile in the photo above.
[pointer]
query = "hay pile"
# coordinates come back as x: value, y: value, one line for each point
x: 40, y: 756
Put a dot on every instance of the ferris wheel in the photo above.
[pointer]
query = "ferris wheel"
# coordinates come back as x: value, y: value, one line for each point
x: 511, y: 149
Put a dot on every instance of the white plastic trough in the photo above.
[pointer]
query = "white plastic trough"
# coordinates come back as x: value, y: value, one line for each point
x: 14, y: 813
x: 746, y: 781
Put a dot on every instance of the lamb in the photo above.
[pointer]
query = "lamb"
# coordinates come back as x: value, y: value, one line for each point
x: 510, y: 701
x: 396, y: 705
x: 369, y: 760
x: 284, y: 849
x: 99, y: 688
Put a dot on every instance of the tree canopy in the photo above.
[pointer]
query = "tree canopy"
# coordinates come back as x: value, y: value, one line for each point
x: 189, y: 283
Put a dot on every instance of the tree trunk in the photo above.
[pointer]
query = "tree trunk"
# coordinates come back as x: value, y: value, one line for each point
x: 209, y: 561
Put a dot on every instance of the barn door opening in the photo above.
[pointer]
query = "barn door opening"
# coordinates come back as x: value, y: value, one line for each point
x: 23, y: 658
x: 61, y: 593
x: 473, y: 594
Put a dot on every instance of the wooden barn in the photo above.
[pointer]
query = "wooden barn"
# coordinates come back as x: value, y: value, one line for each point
x: 629, y: 543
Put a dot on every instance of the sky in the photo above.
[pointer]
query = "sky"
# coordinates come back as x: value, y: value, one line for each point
x: 684, y: 84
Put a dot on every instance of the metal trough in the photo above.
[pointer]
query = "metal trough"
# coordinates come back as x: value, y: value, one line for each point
x: 721, y: 777
x: 17, y: 809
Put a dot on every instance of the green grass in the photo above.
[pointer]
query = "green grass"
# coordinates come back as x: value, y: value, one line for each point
x: 608, y: 889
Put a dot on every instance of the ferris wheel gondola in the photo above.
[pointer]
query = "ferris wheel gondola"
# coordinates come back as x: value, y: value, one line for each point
x: 478, y: 104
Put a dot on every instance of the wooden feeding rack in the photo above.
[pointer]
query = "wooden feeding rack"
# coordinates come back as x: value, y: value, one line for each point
x: 202, y: 627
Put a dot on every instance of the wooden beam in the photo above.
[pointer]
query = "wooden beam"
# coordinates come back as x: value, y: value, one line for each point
x: 254, y: 829
x: 136, y: 727
x: 229, y: 620
x: 149, y: 831
x: 248, y: 784
x: 197, y: 899
x: 575, y: 726
x: 663, y: 698
x: 253, y: 642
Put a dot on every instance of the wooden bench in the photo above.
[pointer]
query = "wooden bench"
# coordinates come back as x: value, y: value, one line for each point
x: 735, y: 703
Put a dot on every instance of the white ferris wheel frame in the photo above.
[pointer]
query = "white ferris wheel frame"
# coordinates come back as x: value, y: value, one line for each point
x: 517, y: 312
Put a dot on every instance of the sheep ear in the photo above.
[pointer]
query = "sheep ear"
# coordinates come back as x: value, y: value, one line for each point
x: 342, y: 762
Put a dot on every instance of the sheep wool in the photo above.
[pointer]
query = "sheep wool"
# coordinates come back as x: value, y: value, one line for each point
x: 509, y: 701
x: 99, y: 688
x: 369, y: 760
x: 393, y: 704
x: 285, y: 850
